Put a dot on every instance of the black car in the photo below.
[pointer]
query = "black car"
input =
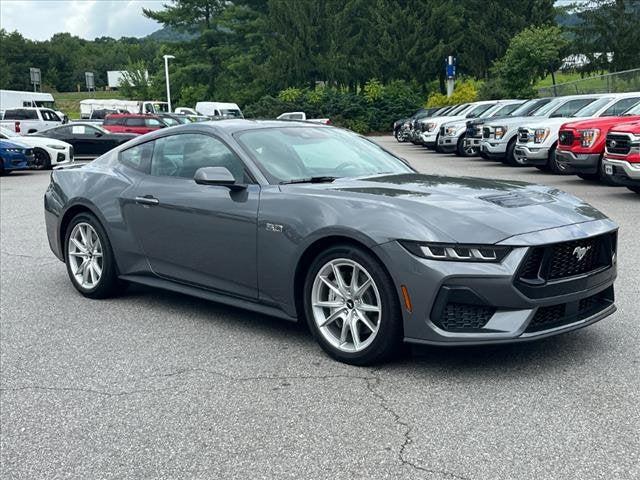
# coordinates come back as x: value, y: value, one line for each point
x: 88, y: 140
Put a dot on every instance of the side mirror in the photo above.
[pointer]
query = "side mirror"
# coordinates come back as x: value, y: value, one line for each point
x: 219, y: 176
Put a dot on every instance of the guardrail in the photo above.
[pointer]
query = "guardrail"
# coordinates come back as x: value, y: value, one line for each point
x: 617, y: 82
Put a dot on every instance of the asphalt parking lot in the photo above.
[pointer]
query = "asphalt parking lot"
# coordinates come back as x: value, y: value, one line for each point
x: 158, y: 385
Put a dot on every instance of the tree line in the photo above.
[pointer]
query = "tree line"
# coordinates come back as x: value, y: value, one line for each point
x: 244, y: 50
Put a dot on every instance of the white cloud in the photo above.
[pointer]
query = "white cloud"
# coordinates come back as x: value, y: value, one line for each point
x: 40, y: 19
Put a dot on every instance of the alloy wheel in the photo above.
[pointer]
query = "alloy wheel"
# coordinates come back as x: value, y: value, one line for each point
x: 85, y: 255
x: 346, y: 305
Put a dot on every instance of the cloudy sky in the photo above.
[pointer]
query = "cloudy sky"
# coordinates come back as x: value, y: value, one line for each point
x: 40, y: 19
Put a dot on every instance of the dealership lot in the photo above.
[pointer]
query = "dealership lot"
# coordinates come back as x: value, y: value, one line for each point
x: 158, y: 385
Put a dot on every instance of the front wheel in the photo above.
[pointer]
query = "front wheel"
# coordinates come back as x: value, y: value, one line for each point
x: 42, y: 159
x: 351, y: 306
x: 553, y: 164
x: 90, y: 262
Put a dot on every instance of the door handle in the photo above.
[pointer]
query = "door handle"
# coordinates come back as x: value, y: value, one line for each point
x: 147, y: 200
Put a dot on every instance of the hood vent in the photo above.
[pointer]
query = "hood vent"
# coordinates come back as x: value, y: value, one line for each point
x: 517, y: 199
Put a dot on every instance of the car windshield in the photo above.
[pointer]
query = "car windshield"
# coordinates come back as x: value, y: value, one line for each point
x: 549, y: 107
x: 170, y: 121
x: 505, y: 110
x: 635, y: 110
x: 294, y: 153
x: 591, y: 109
x: 479, y: 110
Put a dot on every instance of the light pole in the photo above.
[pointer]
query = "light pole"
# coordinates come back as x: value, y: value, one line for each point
x: 166, y: 75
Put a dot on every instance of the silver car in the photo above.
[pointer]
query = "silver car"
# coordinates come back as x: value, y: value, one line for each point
x: 317, y: 224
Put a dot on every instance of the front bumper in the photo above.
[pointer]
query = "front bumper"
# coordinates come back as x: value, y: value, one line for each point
x: 473, y: 142
x: 494, y: 148
x: 12, y: 161
x: 527, y: 155
x: 429, y: 139
x: 514, y: 315
x: 622, y: 172
x: 578, y: 162
x: 448, y: 144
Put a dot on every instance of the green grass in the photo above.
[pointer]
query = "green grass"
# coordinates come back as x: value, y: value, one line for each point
x: 561, y: 77
x: 69, y: 102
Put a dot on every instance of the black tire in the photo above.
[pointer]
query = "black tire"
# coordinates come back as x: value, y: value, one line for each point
x: 509, y: 157
x: 437, y: 147
x: 42, y: 159
x: 460, y: 147
x: 542, y: 168
x: 635, y: 189
x: 388, y: 340
x: 591, y: 177
x: 108, y: 285
x: 483, y: 155
x: 552, y: 163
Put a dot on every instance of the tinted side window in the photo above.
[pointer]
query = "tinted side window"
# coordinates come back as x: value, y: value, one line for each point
x: 620, y: 107
x: 20, y: 114
x: 134, y: 122
x: 152, y: 122
x: 49, y: 116
x: 182, y: 155
x: 138, y: 157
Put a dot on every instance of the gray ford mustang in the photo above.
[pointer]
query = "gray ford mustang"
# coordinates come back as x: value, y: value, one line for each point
x: 315, y: 223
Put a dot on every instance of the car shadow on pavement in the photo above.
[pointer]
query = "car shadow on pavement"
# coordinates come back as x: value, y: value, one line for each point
x: 563, y: 352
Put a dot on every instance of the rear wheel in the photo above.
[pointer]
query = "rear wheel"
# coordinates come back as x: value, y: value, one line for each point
x: 351, y: 306
x: 42, y: 159
x: 90, y: 262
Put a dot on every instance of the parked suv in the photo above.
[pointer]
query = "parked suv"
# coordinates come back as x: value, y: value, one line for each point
x: 499, y: 137
x: 132, y: 123
x: 537, y: 141
x: 622, y: 155
x: 473, y: 135
x: 581, y: 144
x: 452, y: 134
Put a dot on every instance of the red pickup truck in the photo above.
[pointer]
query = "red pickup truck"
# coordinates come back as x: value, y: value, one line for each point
x: 622, y: 156
x: 581, y: 144
x: 132, y: 123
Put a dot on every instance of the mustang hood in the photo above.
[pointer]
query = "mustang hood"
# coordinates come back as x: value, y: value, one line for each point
x: 452, y: 209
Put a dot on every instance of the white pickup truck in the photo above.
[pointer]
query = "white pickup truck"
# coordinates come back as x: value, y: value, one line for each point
x: 303, y: 117
x: 30, y: 119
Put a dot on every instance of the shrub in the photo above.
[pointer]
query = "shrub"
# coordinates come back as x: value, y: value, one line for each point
x: 464, y: 92
x: 375, y: 109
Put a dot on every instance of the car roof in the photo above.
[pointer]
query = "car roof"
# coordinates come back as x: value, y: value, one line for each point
x: 237, y: 125
x: 128, y: 115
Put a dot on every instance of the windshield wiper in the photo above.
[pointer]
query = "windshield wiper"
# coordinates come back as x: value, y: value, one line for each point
x: 325, y: 179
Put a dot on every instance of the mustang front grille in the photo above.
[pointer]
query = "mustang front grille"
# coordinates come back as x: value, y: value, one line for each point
x: 568, y: 259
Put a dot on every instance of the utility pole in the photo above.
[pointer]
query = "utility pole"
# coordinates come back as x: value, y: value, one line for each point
x: 166, y: 75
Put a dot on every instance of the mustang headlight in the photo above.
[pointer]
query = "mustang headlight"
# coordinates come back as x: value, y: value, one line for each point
x: 588, y: 137
x: 540, y: 135
x: 431, y: 126
x: 499, y: 132
x: 15, y: 150
x: 455, y: 252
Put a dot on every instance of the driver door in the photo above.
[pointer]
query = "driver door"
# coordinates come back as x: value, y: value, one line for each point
x: 202, y: 235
